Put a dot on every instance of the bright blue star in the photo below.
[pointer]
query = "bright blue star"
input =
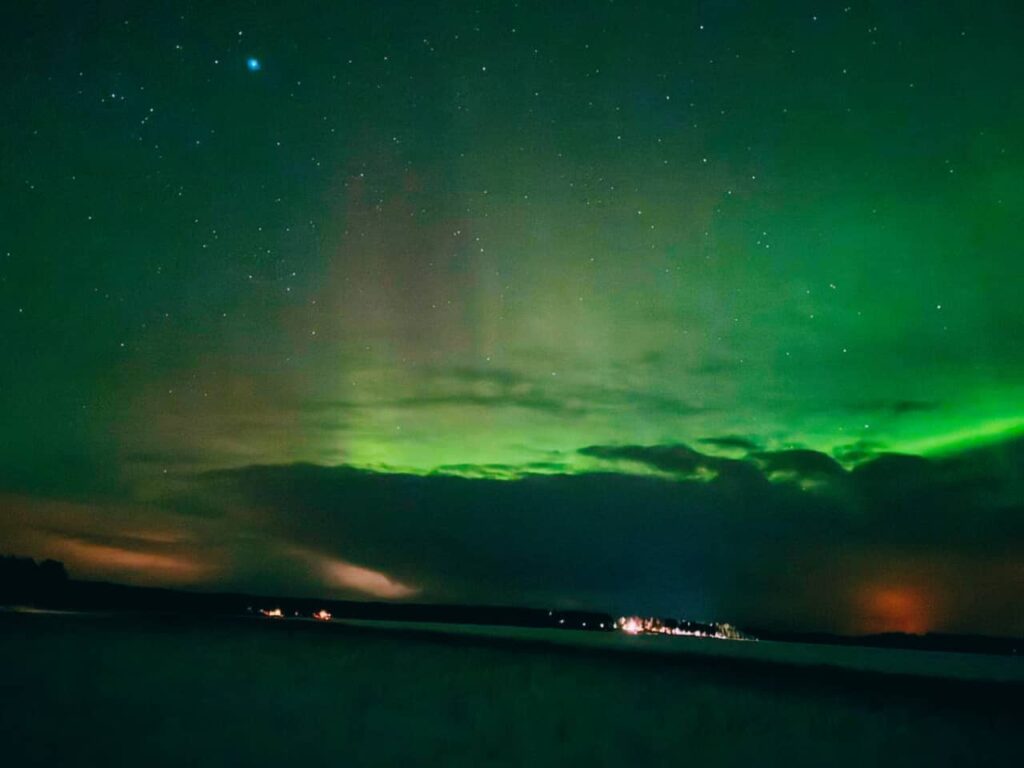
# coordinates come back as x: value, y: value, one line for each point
x: 253, y: 64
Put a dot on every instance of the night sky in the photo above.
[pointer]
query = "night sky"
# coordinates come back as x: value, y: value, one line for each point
x: 710, y: 309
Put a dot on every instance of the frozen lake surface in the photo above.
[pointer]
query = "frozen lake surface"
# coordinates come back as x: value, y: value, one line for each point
x: 122, y: 690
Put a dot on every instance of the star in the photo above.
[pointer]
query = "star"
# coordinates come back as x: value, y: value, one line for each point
x: 253, y: 64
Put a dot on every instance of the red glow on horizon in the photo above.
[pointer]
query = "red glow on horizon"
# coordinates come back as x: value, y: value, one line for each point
x: 895, y: 608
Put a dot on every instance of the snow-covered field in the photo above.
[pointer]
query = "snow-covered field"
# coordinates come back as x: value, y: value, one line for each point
x: 116, y: 690
x: 961, y: 666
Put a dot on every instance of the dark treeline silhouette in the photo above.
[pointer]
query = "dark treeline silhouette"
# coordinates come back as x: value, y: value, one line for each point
x: 933, y: 641
x: 23, y: 580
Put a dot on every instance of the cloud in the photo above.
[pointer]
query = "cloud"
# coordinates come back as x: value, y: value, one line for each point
x: 732, y: 442
x: 782, y: 538
x: 893, y: 407
x: 858, y: 451
x: 366, y: 581
x: 667, y: 458
x: 136, y: 564
x: 490, y: 388
x: 119, y: 541
x: 787, y: 538
x: 913, y: 406
x: 675, y: 459
x: 62, y: 474
x: 349, y: 579
x: 799, y: 465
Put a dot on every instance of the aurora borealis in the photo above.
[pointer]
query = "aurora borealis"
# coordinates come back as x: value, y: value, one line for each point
x: 712, y: 309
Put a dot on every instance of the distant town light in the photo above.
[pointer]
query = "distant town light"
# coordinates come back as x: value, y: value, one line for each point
x: 638, y: 625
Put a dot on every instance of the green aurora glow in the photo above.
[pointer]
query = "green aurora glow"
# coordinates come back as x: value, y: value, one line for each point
x: 424, y: 239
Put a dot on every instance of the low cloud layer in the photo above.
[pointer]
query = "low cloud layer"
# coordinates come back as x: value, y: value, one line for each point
x: 787, y: 538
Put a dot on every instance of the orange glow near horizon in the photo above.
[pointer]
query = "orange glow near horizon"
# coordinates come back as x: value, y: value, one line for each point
x: 105, y: 560
x: 895, y: 608
x: 339, y: 573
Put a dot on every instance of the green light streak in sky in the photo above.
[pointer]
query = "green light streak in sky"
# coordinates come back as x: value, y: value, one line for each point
x: 974, y: 436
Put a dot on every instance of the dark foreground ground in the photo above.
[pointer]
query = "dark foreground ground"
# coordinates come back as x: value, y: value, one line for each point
x: 95, y: 690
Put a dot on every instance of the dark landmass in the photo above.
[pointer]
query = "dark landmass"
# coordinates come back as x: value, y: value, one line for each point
x: 47, y: 585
